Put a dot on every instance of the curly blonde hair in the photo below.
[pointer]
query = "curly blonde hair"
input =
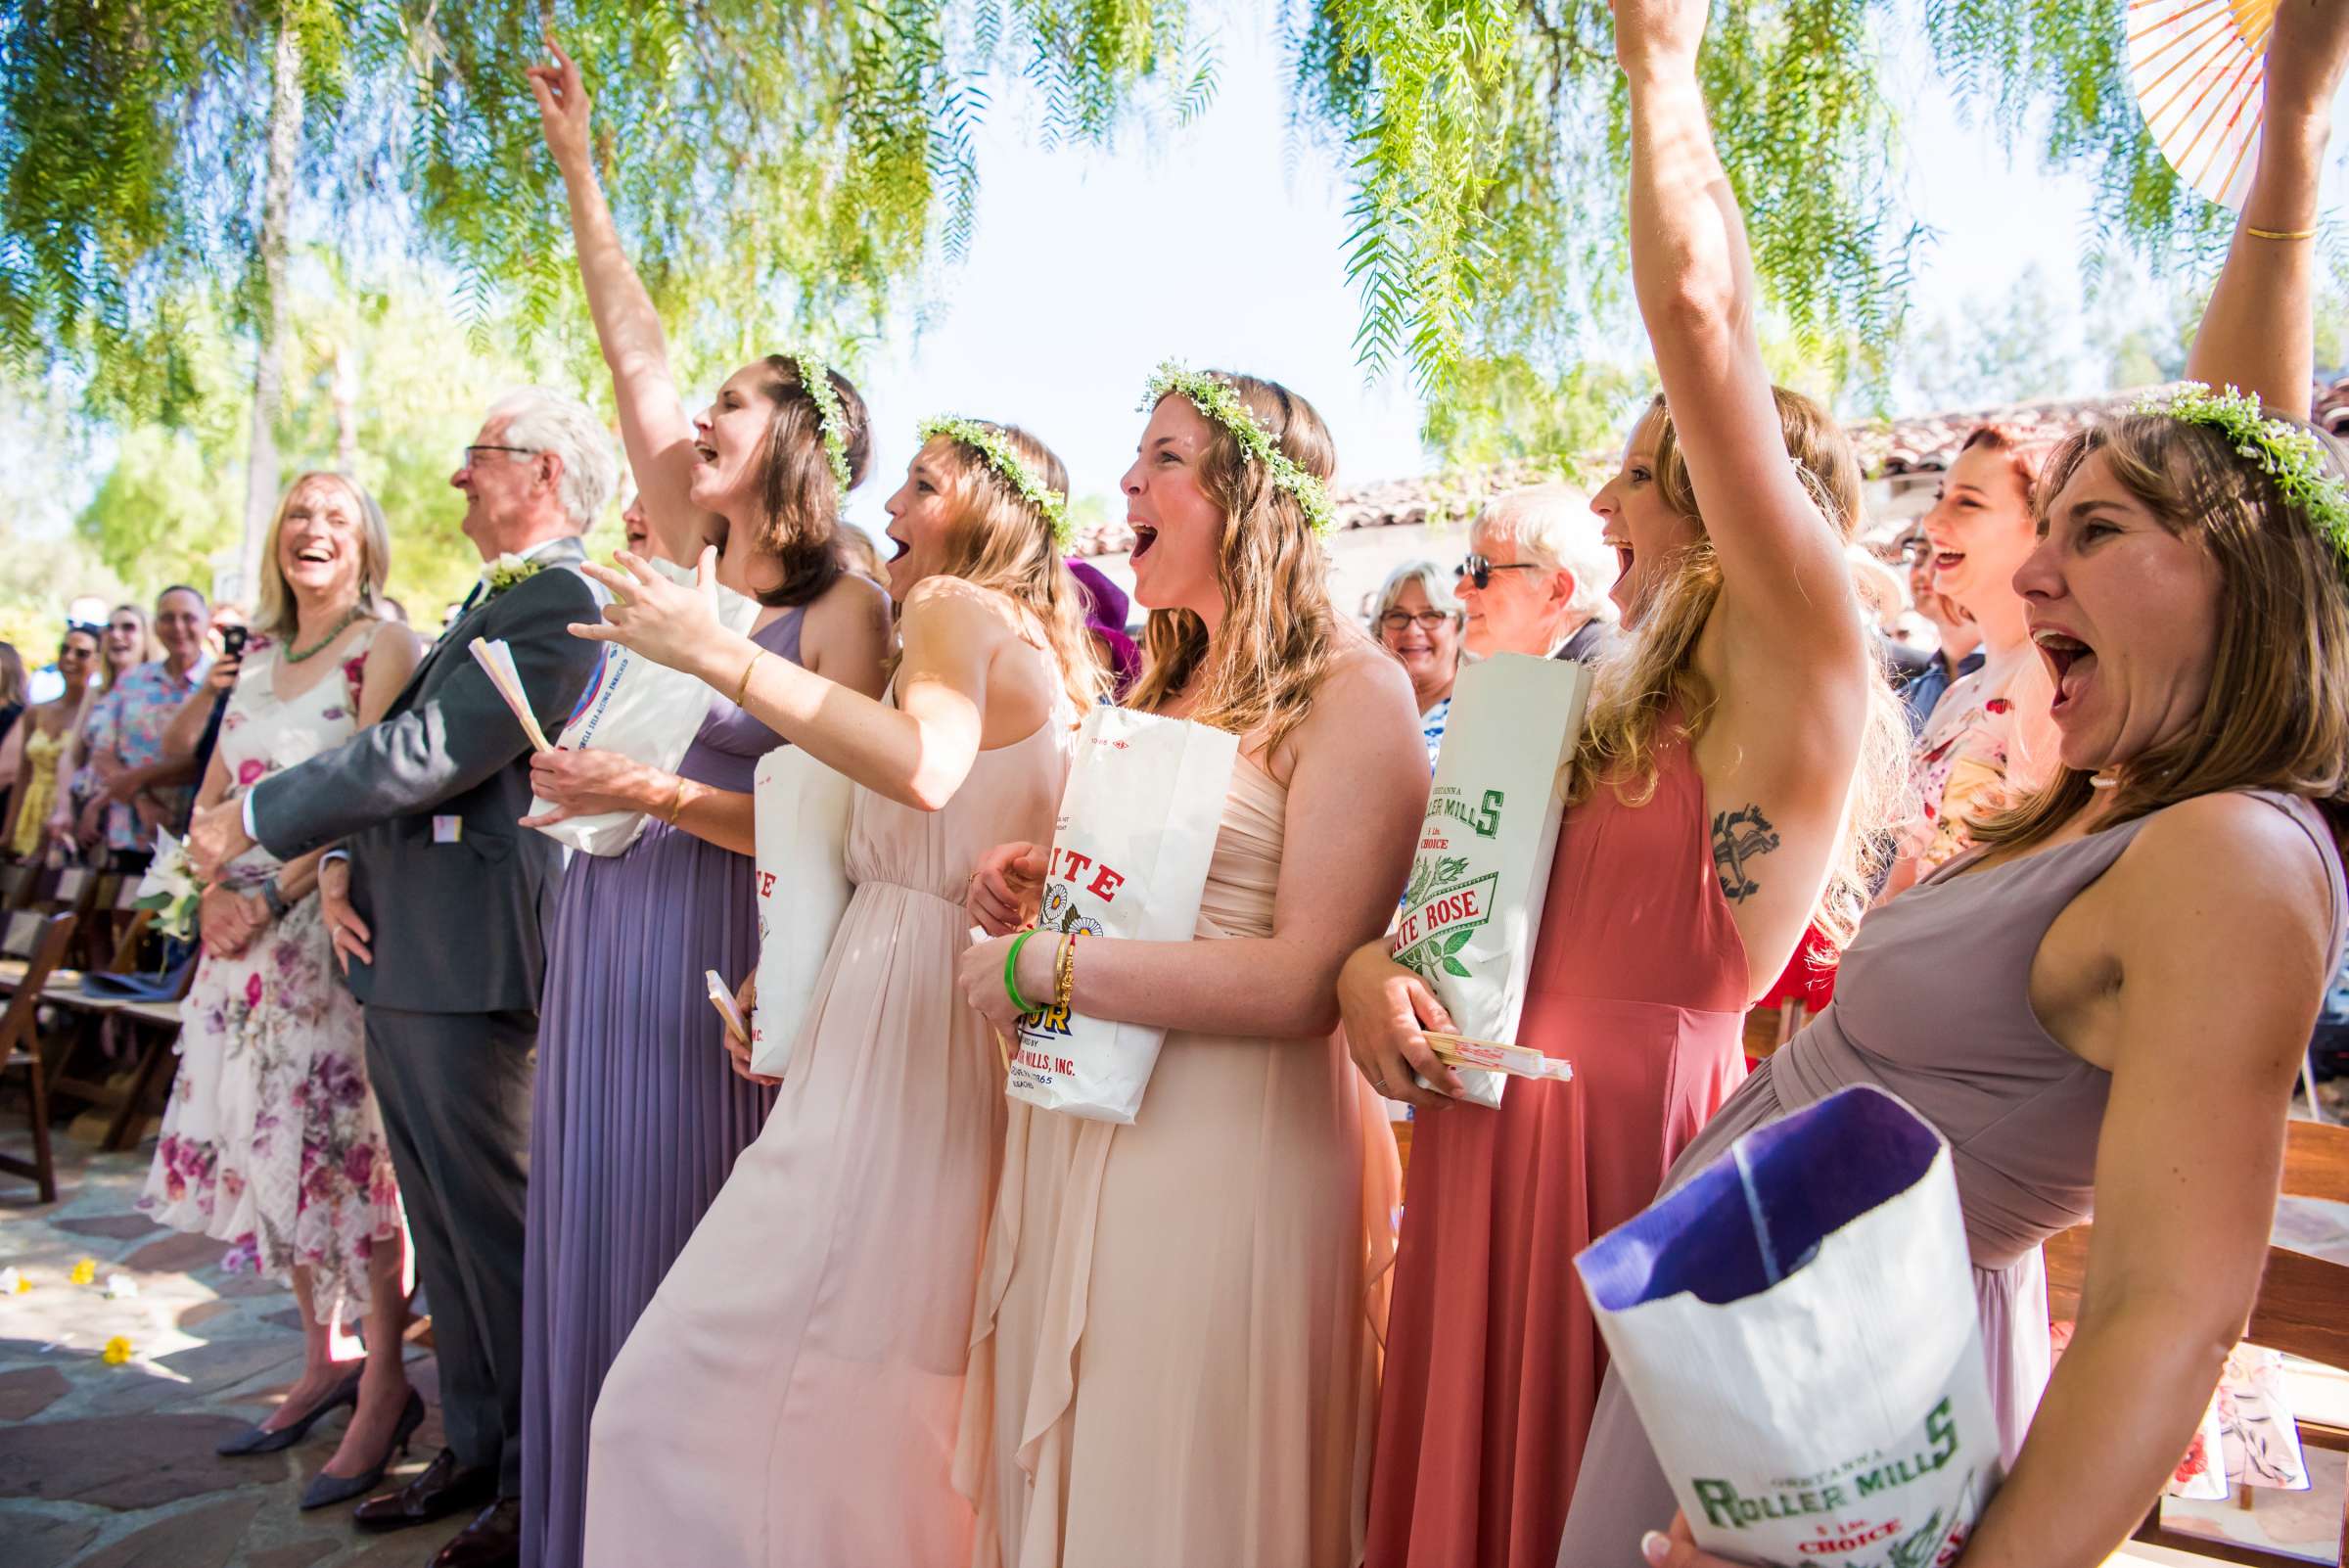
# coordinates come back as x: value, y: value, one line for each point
x: 1279, y: 636
x: 1653, y: 681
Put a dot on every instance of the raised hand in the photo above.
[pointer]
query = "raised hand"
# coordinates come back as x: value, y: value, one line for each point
x: 1652, y: 33
x: 666, y: 622
x: 563, y: 106
x: 2308, y: 54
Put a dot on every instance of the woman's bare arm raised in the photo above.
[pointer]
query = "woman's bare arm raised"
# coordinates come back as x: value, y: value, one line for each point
x: 653, y: 423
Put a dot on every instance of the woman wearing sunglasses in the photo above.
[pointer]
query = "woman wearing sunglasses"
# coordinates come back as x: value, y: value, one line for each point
x: 1537, y: 576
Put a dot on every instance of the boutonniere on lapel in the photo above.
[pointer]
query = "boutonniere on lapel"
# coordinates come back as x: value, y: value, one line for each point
x: 508, y: 570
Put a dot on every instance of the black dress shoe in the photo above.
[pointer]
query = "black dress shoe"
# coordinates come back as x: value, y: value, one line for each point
x: 261, y: 1440
x: 492, y: 1541
x: 325, y: 1489
x: 445, y: 1488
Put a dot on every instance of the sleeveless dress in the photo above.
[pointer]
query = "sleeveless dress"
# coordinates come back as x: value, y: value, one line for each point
x: 1639, y: 978
x: 271, y: 1139
x: 1175, y: 1357
x: 1935, y: 1007
x: 637, y: 1114
x: 792, y: 1393
x: 42, y: 750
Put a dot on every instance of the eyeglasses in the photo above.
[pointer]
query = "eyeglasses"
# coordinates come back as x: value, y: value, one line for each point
x: 1399, y: 622
x: 467, y: 460
x: 127, y: 626
x: 1478, y: 570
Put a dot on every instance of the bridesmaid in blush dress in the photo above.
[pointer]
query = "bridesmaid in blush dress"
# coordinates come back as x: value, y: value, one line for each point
x: 1175, y: 1357
x: 790, y: 1395
x: 1738, y: 755
x: 637, y: 1114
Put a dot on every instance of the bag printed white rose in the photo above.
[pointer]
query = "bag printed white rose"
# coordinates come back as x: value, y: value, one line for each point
x: 1131, y: 851
x: 1473, y: 906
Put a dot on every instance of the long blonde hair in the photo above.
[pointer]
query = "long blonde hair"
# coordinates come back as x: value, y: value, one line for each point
x: 1279, y: 634
x: 2277, y: 716
x: 1000, y: 539
x: 1653, y: 679
x: 275, y: 611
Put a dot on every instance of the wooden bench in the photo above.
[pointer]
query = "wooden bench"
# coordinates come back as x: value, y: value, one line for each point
x: 2302, y: 1309
x: 21, y: 1049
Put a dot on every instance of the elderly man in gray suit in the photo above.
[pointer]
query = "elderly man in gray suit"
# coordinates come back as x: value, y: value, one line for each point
x: 436, y: 914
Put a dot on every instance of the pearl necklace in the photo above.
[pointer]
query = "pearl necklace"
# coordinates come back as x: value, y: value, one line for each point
x: 295, y: 655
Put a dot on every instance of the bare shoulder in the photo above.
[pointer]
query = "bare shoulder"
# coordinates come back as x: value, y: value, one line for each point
x: 851, y: 602
x: 951, y: 604
x: 1363, y: 679
x: 2225, y: 850
x: 394, y: 653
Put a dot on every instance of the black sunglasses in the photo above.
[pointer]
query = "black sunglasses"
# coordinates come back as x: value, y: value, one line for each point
x: 1478, y: 570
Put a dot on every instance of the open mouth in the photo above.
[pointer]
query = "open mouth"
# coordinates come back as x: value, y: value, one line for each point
x: 315, y: 556
x: 902, y: 548
x: 2072, y: 661
x: 704, y: 452
x: 1623, y: 557
x: 1948, y: 560
x: 1144, y: 536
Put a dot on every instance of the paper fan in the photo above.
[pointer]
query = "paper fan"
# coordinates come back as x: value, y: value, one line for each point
x: 2196, y: 68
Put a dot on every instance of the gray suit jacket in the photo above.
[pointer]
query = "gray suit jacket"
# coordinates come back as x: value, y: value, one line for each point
x: 455, y: 928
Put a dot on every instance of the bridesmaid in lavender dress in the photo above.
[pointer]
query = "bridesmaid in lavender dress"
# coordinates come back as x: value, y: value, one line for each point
x: 638, y: 1114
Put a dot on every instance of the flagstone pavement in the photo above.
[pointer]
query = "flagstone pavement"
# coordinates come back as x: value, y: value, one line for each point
x: 111, y: 1465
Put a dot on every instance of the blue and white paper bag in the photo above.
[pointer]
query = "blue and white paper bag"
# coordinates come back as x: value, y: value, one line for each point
x: 1796, y: 1326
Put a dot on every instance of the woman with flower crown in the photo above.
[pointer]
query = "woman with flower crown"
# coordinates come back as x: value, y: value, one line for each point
x: 792, y: 1393
x: 1174, y: 1353
x: 2047, y: 1001
x: 637, y: 1115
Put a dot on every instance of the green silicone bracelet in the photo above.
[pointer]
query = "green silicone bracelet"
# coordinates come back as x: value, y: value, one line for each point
x: 1011, y: 964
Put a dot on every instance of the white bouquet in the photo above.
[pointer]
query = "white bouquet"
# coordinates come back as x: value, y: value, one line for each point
x: 171, y: 888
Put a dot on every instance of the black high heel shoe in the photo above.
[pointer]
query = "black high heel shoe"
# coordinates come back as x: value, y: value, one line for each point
x: 260, y: 1440
x: 324, y: 1490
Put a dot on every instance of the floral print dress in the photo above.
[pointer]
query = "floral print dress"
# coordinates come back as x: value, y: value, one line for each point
x: 1988, y: 743
x: 272, y: 1141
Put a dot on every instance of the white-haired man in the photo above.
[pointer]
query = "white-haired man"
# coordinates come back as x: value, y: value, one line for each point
x: 1537, y: 576
x: 436, y: 879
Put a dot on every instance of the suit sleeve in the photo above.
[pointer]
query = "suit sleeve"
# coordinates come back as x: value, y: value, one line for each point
x: 446, y: 744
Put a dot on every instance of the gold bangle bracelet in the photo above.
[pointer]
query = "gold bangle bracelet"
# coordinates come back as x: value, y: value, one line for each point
x: 2258, y: 233
x: 741, y: 687
x: 676, y: 799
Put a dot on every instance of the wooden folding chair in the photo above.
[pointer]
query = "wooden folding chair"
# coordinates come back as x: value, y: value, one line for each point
x: 154, y: 1025
x: 2302, y: 1309
x: 20, y: 1047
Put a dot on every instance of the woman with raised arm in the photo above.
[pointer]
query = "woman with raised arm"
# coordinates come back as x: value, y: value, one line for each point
x: 637, y: 1115
x: 1220, y: 1260
x: 2047, y: 1001
x: 1736, y: 757
x: 791, y: 1396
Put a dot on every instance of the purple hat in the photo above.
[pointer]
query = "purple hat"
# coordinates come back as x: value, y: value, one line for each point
x: 1105, y: 609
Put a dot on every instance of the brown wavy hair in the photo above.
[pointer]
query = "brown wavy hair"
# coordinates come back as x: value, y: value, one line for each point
x: 2026, y: 455
x: 799, y: 497
x: 1001, y: 540
x: 2277, y: 716
x: 1279, y: 633
x: 1655, y: 678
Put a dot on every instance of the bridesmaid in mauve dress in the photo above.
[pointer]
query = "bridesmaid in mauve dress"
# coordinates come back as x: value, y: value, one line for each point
x: 638, y: 1114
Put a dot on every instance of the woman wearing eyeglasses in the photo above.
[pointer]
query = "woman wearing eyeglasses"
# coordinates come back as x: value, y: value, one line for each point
x: 1536, y: 577
x: 1418, y: 620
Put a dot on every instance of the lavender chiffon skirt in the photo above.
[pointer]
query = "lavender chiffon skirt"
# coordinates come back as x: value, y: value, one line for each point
x: 636, y: 1121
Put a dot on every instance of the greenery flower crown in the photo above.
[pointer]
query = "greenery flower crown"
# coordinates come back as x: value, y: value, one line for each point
x: 990, y: 445
x: 1220, y: 400
x: 2293, y: 460
x: 816, y: 377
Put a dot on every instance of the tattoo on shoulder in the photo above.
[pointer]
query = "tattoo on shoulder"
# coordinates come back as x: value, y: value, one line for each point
x: 1740, y: 838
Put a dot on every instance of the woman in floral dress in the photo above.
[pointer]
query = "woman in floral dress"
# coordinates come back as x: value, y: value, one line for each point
x: 272, y: 1141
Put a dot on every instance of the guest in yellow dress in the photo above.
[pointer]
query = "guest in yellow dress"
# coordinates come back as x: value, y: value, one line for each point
x: 47, y: 728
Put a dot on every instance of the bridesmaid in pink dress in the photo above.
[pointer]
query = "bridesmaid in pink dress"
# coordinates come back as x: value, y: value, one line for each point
x: 1173, y: 1361
x: 790, y: 1395
x: 1735, y: 754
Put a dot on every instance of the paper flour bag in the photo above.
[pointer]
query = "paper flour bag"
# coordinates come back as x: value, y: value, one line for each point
x: 1129, y: 855
x: 1797, y: 1328
x: 801, y: 810
x: 643, y: 711
x: 1474, y: 901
